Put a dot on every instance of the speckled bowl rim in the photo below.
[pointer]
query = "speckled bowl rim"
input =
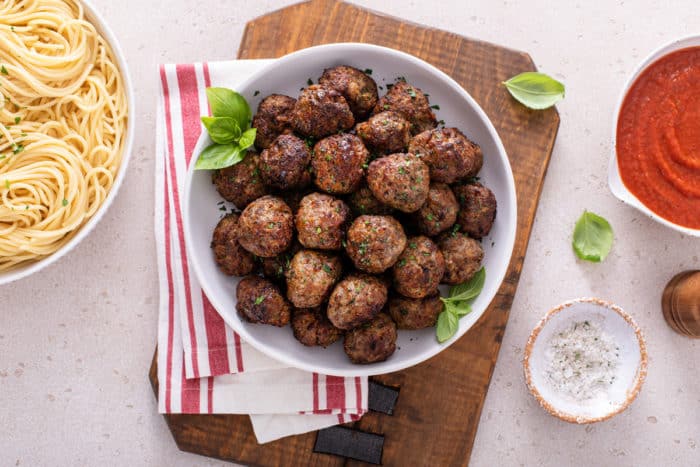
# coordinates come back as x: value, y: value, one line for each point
x: 631, y: 393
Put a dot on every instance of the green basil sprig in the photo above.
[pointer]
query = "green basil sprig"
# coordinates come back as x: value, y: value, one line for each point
x: 593, y: 237
x: 535, y: 90
x: 229, y: 129
x: 458, y: 304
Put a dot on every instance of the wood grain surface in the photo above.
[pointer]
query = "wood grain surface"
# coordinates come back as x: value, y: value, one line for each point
x: 440, y: 401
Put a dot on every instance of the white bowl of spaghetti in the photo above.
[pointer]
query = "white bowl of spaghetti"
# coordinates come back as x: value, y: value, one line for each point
x: 65, y: 131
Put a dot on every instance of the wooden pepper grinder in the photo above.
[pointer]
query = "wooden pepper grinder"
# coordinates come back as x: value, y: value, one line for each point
x: 681, y: 303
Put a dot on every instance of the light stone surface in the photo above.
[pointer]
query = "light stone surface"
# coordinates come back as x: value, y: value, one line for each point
x: 76, y: 340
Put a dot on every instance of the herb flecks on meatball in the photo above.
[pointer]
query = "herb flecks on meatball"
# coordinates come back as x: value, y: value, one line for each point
x: 321, y: 111
x: 373, y: 342
x: 412, y: 313
x: 401, y: 181
x: 419, y: 269
x: 312, y: 328
x: 478, y: 209
x: 339, y: 163
x: 272, y: 119
x: 356, y: 300
x: 357, y: 87
x: 363, y: 201
x: 229, y: 255
x: 410, y: 102
x: 450, y: 155
x: 241, y: 183
x: 260, y: 301
x: 385, y: 132
x: 266, y: 227
x: 311, y: 276
x: 463, y: 256
x: 439, y: 212
x: 321, y: 221
x: 374, y: 243
x: 284, y: 165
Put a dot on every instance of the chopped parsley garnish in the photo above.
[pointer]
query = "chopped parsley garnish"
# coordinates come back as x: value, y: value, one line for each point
x: 327, y: 269
x: 429, y: 216
x: 368, y: 71
x: 256, y: 93
x: 259, y: 299
x: 7, y: 184
x: 412, y: 245
x: 64, y: 202
x: 17, y: 120
x: 411, y: 92
x: 309, y: 82
x: 436, y: 107
x: 17, y: 148
x: 319, y: 230
x: 455, y: 229
x: 3, y: 70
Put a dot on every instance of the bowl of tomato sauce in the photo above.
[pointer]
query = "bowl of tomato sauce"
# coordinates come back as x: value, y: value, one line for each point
x: 655, y: 165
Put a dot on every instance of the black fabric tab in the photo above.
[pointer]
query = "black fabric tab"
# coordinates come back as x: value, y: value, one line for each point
x: 354, y: 444
x: 382, y: 398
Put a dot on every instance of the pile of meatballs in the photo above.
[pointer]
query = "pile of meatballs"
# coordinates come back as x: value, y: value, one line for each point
x: 353, y: 210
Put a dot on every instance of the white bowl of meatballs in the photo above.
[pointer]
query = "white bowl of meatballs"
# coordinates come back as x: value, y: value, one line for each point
x: 375, y: 183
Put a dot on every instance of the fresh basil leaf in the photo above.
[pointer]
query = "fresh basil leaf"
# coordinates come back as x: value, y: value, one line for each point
x: 593, y: 237
x: 219, y: 156
x: 447, y: 325
x: 462, y: 308
x: 535, y: 90
x: 222, y: 130
x: 227, y: 103
x: 469, y: 289
x: 247, y: 138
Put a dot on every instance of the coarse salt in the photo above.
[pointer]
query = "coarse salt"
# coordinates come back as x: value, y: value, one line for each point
x: 581, y: 361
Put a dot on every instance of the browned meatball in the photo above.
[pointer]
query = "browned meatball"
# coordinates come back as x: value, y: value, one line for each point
x: 363, y: 201
x: 275, y: 268
x: 374, y: 243
x: 321, y: 111
x: 321, y: 221
x: 311, y: 327
x: 311, y: 276
x: 400, y: 180
x: 448, y: 153
x: 478, y: 209
x: 372, y: 343
x: 410, y: 102
x: 229, y: 255
x: 385, y: 132
x: 358, y: 88
x: 338, y: 163
x: 260, y: 301
x: 439, y: 212
x: 284, y: 165
x: 419, y: 269
x: 272, y: 119
x: 462, y: 255
x: 241, y: 183
x: 412, y: 313
x: 356, y: 300
x: 266, y: 227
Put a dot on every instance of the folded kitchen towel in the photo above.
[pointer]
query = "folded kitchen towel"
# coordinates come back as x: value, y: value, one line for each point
x: 203, y: 365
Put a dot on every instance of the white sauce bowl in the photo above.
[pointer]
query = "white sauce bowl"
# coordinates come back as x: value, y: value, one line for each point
x: 615, y: 182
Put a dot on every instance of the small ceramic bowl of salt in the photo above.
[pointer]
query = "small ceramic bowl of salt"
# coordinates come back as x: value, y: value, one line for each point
x: 585, y: 361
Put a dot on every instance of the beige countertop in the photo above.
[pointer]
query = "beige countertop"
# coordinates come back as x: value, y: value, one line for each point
x: 76, y: 339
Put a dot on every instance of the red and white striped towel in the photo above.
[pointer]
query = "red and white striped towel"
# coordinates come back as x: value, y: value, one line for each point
x: 203, y: 366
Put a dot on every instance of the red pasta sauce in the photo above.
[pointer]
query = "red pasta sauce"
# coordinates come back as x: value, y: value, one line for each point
x: 658, y: 137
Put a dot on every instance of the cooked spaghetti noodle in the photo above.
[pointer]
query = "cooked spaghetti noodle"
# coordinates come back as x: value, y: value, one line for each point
x: 63, y: 116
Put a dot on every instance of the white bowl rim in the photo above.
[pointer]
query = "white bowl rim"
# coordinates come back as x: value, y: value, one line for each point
x: 103, y: 28
x: 632, y: 393
x: 615, y: 183
x: 386, y: 366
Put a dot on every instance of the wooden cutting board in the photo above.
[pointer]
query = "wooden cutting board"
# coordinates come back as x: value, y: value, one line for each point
x: 439, y: 403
